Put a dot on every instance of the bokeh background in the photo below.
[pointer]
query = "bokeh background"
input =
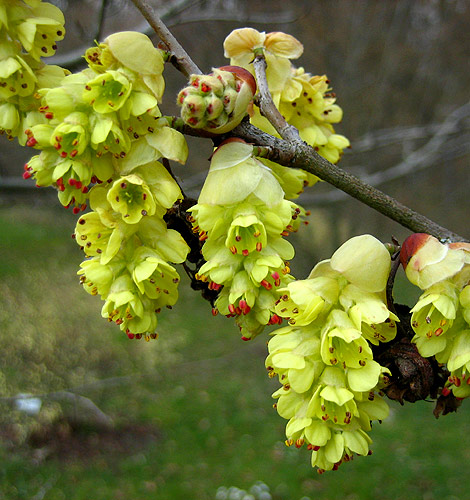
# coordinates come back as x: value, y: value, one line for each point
x: 189, y: 414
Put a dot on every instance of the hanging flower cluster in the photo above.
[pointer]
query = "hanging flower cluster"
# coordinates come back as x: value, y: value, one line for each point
x: 28, y: 32
x: 324, y: 360
x: 441, y: 317
x: 103, y: 121
x: 242, y: 217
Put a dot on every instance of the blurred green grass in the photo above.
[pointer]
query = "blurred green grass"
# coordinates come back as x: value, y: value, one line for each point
x: 192, y: 410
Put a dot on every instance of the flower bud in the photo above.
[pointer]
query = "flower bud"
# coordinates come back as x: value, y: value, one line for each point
x: 219, y: 101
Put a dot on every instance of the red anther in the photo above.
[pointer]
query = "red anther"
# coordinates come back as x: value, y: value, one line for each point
x: 315, y: 448
x: 76, y: 210
x: 27, y: 175
x: 63, y: 154
x: 285, y: 233
x: 31, y: 142
x: 259, y: 246
x: 275, y: 320
x: 153, y: 335
x: 83, y: 207
x: 130, y: 335
x: 193, y: 120
x: 266, y: 285
x: 307, y: 213
x: 238, y: 238
x: 138, y: 336
x: 445, y: 391
x: 238, y: 311
x: 205, y: 88
x: 49, y: 115
x: 73, y: 153
x: 215, y: 311
x: 233, y: 249
x: 195, y: 83
x: 231, y: 308
x: 336, y: 466
x: 57, y: 146
x: 85, y: 189
x: 438, y: 332
x: 246, y: 339
x: 71, y: 181
x: 119, y: 321
x: 457, y: 381
x: 78, y: 185
x: 245, y: 252
x: 299, y: 443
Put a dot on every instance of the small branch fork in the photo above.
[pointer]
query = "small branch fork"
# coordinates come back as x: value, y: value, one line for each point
x: 291, y: 151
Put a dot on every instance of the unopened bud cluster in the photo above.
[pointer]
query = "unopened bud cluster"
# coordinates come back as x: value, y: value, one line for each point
x: 324, y: 359
x: 441, y: 316
x: 219, y: 101
x: 243, y: 219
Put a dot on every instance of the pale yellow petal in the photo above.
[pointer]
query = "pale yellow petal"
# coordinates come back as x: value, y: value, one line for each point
x: 242, y: 41
x: 283, y: 45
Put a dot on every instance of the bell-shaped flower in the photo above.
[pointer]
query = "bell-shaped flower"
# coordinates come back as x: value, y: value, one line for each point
x: 131, y: 197
x: 97, y: 278
x: 16, y: 77
x: 39, y: 33
x: 154, y: 277
x: 295, y: 353
x: 246, y: 234
x: 71, y: 136
x: 99, y: 239
x: 332, y: 400
x: 433, y: 315
x: 304, y: 300
x: 126, y: 307
x: 369, y: 314
x: 107, y: 92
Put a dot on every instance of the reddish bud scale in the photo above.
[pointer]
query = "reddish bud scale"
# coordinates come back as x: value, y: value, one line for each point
x: 411, y: 245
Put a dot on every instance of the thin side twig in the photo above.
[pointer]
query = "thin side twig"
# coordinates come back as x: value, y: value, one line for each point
x: 180, y: 57
x: 266, y: 105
